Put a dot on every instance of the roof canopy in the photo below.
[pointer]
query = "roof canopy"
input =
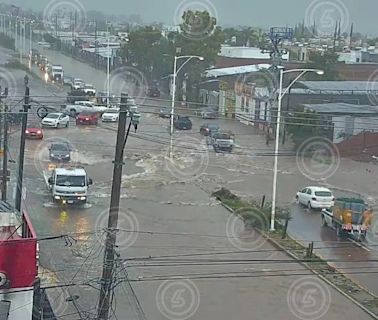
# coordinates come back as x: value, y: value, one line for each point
x: 235, y: 70
x: 342, y: 108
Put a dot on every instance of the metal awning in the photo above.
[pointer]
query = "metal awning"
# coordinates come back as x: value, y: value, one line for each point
x: 337, y: 86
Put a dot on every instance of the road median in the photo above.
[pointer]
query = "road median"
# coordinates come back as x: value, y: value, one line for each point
x: 257, y: 216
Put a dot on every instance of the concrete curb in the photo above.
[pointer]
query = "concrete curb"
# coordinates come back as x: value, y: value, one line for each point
x: 276, y: 244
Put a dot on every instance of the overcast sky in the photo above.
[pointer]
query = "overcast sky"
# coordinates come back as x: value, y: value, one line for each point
x: 262, y: 13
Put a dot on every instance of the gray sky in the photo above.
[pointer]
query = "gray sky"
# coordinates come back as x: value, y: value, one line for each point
x: 263, y: 13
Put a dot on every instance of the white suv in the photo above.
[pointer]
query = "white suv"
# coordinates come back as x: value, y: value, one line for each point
x: 316, y: 198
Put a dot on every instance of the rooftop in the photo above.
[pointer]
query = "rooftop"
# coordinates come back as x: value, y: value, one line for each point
x: 337, y: 86
x: 235, y: 70
x: 342, y: 108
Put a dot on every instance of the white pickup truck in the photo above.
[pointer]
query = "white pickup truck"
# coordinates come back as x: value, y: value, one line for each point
x: 83, y: 106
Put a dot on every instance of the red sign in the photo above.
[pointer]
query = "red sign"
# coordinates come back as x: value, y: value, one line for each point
x: 18, y: 258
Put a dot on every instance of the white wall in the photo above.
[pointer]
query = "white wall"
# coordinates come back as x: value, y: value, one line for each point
x: 246, y: 52
x: 350, y: 57
x: 21, y: 304
x: 353, y: 126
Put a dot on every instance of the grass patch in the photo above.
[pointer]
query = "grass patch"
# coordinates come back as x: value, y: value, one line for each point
x: 15, y: 64
x: 252, y: 215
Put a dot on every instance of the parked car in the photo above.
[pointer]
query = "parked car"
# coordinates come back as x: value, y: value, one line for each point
x: 316, y: 198
x: 87, y: 117
x: 165, y: 112
x: 56, y: 120
x: 111, y: 115
x: 60, y: 152
x: 89, y: 90
x: 210, y: 114
x: 34, y: 131
x: 207, y: 128
x: 44, y: 44
x: 78, y: 84
x: 182, y: 123
x: 153, y: 92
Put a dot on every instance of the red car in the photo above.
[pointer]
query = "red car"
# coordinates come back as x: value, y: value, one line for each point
x: 34, y: 131
x: 87, y: 118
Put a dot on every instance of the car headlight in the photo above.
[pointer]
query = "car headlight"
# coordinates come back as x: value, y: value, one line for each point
x: 26, y: 131
x: 66, y: 156
x: 39, y: 132
x: 53, y: 155
x: 57, y: 197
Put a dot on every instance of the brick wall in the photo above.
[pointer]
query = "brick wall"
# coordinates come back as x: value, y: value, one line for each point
x: 359, y: 147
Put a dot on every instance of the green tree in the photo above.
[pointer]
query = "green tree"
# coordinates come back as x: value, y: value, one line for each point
x: 303, y: 125
x: 143, y: 49
x: 325, y: 61
x: 199, y: 36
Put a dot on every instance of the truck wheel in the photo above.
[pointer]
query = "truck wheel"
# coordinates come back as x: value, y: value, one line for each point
x: 324, y: 222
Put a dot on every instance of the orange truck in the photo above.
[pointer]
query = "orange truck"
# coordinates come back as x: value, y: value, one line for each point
x: 349, y: 217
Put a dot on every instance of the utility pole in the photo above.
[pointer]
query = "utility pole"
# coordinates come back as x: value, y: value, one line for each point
x: 22, y: 145
x: 107, y: 272
x: 96, y: 52
x: 5, y: 155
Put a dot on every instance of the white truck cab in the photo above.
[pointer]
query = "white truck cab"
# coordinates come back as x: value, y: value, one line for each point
x: 69, y: 185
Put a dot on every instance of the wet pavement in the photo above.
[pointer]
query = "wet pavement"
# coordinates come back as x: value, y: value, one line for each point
x: 166, y: 212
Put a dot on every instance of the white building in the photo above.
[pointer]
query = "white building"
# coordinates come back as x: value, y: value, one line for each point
x: 246, y: 53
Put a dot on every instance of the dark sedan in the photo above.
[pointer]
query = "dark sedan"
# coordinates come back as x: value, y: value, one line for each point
x: 182, y: 123
x: 165, y: 112
x: 60, y: 152
x: 153, y: 92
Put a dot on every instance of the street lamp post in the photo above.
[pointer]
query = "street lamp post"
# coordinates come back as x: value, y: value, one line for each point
x: 175, y: 72
x: 281, y: 93
x: 108, y: 74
